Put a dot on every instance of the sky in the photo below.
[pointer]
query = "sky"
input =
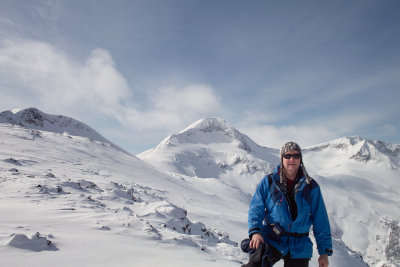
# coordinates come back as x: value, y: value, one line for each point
x: 139, y: 70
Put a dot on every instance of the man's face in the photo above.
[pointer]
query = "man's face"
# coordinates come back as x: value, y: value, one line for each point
x: 291, y: 164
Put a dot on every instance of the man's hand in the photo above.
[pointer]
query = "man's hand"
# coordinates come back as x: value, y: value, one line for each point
x: 257, y: 239
x: 323, y: 261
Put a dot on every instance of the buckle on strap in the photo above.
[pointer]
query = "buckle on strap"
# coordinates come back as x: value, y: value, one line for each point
x: 277, y: 231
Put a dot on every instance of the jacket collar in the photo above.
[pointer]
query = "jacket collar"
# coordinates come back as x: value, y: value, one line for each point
x: 302, y: 175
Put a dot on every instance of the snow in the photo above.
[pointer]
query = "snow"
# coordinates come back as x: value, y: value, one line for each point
x: 98, y: 206
x: 35, y: 243
x: 33, y: 118
x: 358, y: 177
x: 68, y: 198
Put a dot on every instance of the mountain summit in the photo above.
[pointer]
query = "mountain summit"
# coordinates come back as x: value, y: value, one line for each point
x: 210, y: 130
x: 33, y: 118
x: 211, y: 148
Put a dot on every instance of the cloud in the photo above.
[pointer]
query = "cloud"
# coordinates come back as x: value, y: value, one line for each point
x: 176, y: 107
x: 275, y: 137
x: 55, y: 81
x: 37, y: 73
x: 93, y: 90
x: 48, y: 10
x: 5, y: 22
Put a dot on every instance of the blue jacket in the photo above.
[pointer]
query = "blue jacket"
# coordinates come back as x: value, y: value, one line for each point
x: 270, y: 206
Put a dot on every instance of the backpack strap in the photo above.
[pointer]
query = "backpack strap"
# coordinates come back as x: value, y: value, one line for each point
x: 274, y: 192
x: 307, y: 190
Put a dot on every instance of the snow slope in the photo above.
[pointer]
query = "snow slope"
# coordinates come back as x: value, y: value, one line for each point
x: 358, y: 177
x: 75, y: 200
x: 33, y: 118
x: 211, y: 148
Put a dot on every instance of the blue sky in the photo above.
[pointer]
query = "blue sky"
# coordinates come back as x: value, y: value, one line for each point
x: 137, y: 71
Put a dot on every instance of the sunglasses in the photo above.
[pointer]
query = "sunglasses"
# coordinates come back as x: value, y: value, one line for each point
x: 289, y: 156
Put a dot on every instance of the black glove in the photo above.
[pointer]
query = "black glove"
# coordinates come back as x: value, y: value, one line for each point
x: 256, y: 258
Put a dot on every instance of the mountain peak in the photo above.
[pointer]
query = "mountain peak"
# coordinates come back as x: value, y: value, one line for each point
x: 212, y: 148
x: 207, y: 131
x: 365, y: 150
x: 209, y: 125
x: 23, y: 117
x: 33, y: 118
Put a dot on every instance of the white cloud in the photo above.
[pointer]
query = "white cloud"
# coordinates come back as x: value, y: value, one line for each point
x: 57, y: 82
x: 348, y: 121
x: 176, y: 107
x: 275, y: 137
x: 196, y: 98
x: 101, y: 83
x: 38, y: 74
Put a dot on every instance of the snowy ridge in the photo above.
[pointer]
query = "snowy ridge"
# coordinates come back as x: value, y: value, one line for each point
x: 33, y: 118
x: 211, y: 148
x: 359, y: 178
x: 217, y: 125
x: 221, y: 130
x: 364, y: 211
x: 81, y: 191
x: 62, y: 194
x: 364, y: 150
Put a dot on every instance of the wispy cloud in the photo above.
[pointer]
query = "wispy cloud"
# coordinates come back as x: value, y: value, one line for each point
x: 172, y: 107
x: 56, y: 82
x: 277, y: 72
x: 275, y: 136
x: 5, y: 22
x: 52, y: 79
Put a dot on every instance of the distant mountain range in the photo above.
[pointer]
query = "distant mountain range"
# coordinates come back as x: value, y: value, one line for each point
x: 211, y: 170
x: 212, y: 148
x: 359, y: 178
x: 364, y: 150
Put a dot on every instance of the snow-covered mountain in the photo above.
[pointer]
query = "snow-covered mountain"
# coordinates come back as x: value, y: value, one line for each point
x: 211, y: 148
x: 384, y: 154
x: 33, y: 118
x: 72, y: 199
x: 359, y: 179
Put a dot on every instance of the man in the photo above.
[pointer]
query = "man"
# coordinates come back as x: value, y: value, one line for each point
x: 285, y: 205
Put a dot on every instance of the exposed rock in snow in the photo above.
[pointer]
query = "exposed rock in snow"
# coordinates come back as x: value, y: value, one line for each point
x: 392, y: 249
